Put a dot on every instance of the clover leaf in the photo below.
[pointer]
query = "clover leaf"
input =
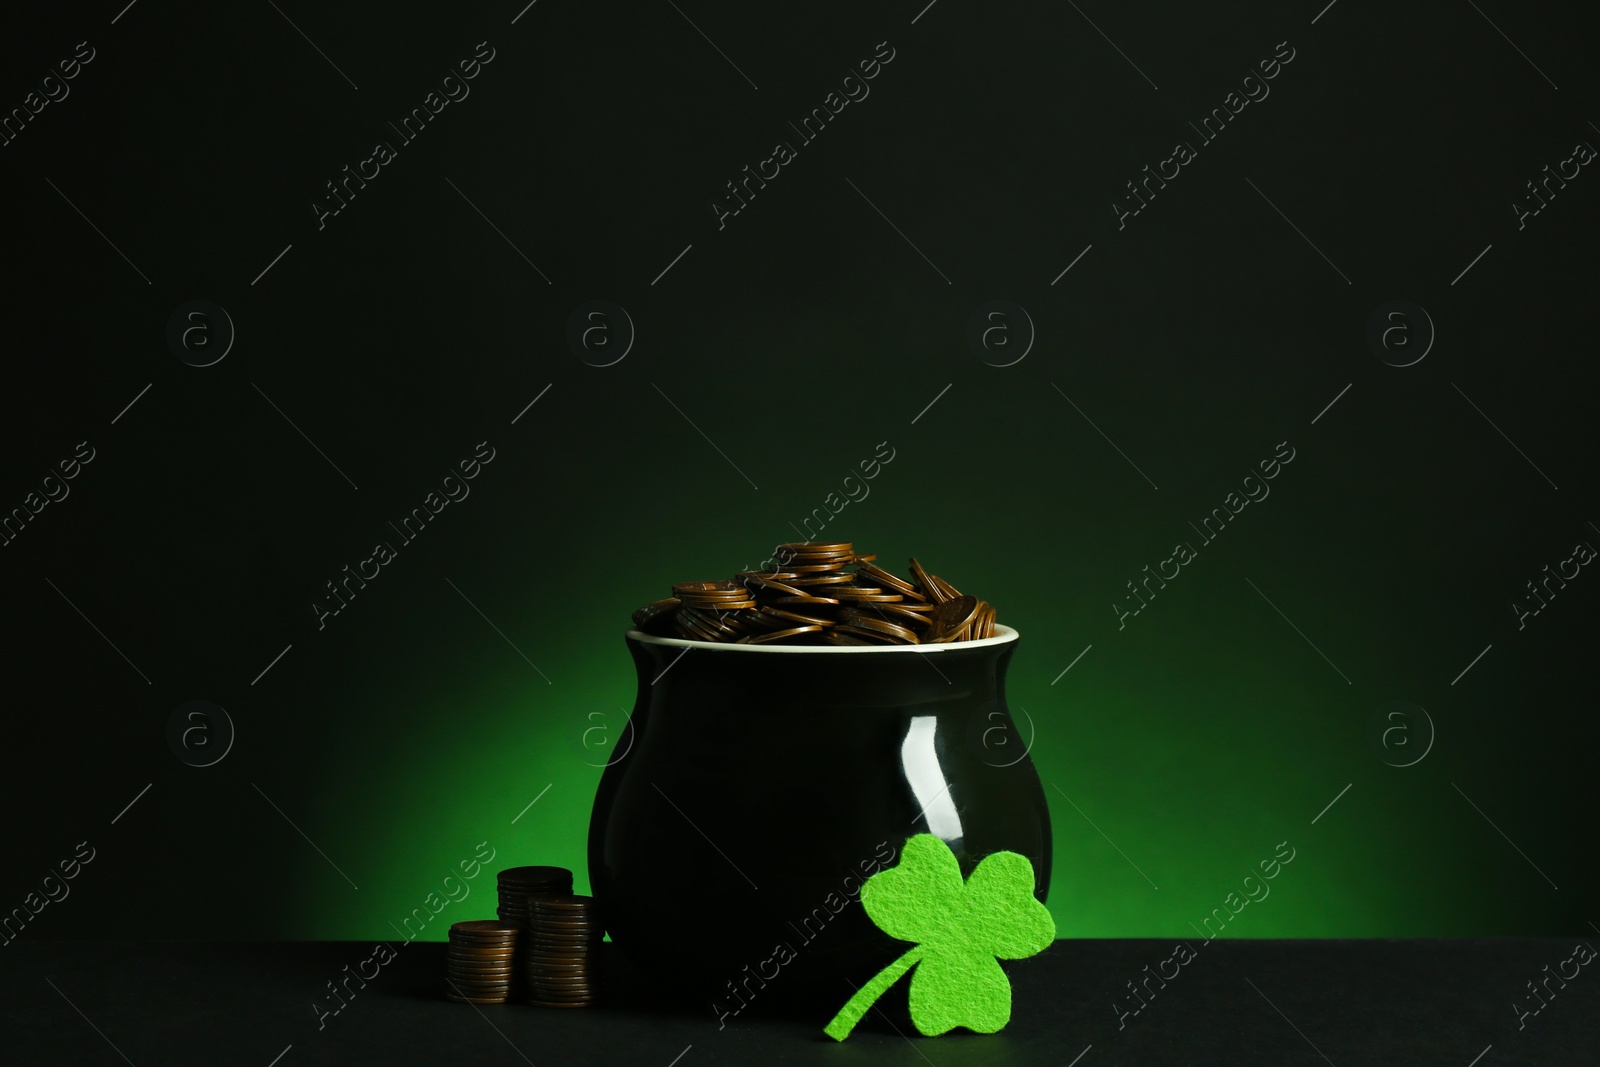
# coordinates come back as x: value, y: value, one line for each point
x: 960, y: 929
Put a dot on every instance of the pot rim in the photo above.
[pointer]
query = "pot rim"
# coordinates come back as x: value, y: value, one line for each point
x: 1003, y: 635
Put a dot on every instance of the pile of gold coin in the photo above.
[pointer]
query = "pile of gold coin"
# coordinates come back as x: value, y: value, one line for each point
x: 823, y: 593
x: 515, y: 884
x: 561, y: 950
x: 480, y: 961
x: 545, y: 936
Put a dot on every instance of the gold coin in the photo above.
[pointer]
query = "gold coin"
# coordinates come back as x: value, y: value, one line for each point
x: 830, y: 548
x: 778, y: 635
x: 920, y: 577
x: 885, y: 578
x: 831, y: 578
x: 888, y: 629
x: 952, y: 617
x: 791, y: 618
x: 870, y: 637
x: 902, y: 614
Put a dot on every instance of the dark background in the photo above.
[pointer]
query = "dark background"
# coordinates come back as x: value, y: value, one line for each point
x: 470, y: 678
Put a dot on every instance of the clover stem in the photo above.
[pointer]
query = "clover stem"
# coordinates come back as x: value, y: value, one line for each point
x: 867, y: 995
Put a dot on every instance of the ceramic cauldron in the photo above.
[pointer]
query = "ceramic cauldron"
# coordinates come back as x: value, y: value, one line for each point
x: 757, y: 786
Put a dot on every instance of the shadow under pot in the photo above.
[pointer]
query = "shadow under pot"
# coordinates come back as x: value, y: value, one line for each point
x: 757, y: 786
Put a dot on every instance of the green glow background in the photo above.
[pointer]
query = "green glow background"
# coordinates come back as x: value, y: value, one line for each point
x: 1191, y: 743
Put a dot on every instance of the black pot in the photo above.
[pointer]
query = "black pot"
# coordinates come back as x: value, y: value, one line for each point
x: 758, y: 785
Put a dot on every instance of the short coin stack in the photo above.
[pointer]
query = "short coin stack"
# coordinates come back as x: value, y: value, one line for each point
x: 480, y: 961
x: 810, y: 598
x: 561, y: 951
x: 515, y: 884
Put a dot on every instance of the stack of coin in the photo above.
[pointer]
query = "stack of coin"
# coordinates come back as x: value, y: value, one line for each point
x: 813, y: 599
x: 561, y: 951
x: 516, y: 883
x: 480, y: 961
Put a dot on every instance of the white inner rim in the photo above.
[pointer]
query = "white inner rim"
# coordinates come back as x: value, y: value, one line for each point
x: 1002, y: 635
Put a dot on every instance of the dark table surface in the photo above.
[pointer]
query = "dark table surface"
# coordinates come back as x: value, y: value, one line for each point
x: 1453, y: 1003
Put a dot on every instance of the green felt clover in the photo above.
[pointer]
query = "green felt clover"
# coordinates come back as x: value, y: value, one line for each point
x: 959, y: 929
